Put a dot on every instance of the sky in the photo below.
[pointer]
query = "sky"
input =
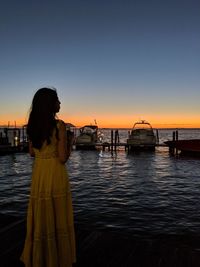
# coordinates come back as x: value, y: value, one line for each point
x: 113, y: 61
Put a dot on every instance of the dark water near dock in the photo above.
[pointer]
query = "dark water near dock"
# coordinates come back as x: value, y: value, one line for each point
x: 149, y: 192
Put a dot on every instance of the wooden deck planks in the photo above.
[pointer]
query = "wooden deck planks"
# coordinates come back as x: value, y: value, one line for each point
x: 111, y: 249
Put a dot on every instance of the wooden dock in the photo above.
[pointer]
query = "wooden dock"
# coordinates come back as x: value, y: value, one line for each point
x: 111, y: 249
x: 114, y: 144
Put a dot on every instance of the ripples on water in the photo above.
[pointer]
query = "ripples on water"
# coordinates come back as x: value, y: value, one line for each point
x: 145, y: 192
x: 15, y: 174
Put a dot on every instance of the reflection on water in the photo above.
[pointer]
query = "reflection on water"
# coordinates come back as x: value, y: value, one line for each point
x: 144, y: 192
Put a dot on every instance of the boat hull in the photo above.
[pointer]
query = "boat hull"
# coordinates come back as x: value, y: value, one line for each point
x: 189, y: 147
x: 141, y: 139
x: 140, y: 147
x: 85, y: 146
x: 87, y: 138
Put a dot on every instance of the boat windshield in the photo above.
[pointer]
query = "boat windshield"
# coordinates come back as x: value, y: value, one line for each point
x: 142, y: 125
x: 88, y: 129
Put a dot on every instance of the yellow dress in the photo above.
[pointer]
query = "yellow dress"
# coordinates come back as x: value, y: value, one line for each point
x: 50, y: 239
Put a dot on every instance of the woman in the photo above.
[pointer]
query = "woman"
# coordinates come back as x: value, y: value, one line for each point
x: 50, y: 240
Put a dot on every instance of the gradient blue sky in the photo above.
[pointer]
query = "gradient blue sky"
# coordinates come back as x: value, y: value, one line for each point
x: 113, y: 61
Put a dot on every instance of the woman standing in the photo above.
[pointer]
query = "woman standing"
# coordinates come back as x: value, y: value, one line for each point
x: 50, y: 239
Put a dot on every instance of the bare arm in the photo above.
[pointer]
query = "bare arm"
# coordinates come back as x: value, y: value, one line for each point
x: 63, y: 149
x: 31, y: 151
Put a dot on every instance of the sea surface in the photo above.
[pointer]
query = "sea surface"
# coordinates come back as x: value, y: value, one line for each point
x: 147, y: 192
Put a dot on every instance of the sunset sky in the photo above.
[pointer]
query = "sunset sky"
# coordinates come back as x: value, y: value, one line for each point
x: 116, y: 61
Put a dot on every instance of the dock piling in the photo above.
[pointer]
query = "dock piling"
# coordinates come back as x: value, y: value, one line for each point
x: 111, y: 140
x: 116, y: 139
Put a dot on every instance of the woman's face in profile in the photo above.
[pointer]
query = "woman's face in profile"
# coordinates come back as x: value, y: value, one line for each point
x: 57, y: 106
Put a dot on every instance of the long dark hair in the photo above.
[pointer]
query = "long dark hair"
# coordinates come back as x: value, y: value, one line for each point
x: 42, y: 118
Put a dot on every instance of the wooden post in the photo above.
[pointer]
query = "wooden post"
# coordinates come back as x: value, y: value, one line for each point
x: 111, y: 140
x: 116, y: 139
x: 176, y: 135
x: 157, y: 136
x: 171, y: 149
x: 174, y: 150
x: 176, y: 138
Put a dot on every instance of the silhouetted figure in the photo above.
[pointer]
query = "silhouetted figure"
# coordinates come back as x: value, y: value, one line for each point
x: 50, y: 239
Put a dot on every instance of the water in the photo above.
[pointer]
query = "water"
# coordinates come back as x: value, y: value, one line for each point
x: 149, y: 192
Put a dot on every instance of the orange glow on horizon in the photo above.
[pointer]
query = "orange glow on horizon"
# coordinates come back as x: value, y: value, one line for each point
x: 114, y: 121
x: 128, y: 121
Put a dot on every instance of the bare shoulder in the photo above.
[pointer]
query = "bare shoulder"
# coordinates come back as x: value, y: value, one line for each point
x: 61, y: 124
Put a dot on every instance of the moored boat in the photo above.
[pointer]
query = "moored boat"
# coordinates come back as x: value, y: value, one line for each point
x: 88, y: 137
x: 142, y: 137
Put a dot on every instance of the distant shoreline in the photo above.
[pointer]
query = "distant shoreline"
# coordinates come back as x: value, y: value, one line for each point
x: 119, y: 128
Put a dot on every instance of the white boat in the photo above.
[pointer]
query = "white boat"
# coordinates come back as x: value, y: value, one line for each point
x: 142, y: 137
x: 88, y: 138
